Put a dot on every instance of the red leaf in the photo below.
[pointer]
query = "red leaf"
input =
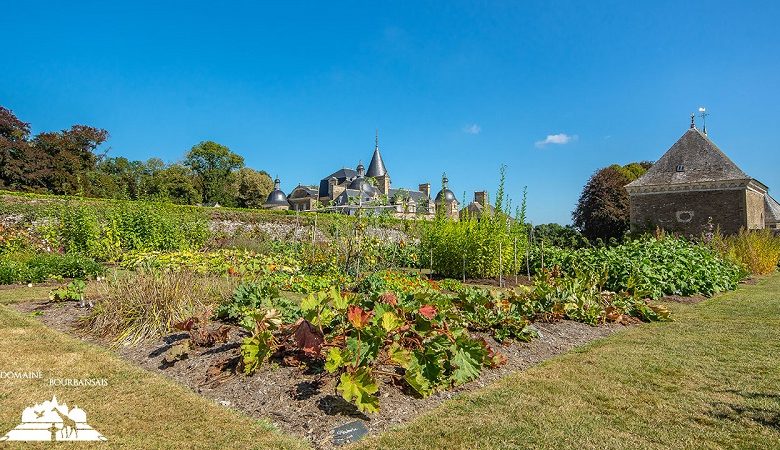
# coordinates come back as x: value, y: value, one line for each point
x: 358, y: 317
x: 308, y: 338
x: 389, y: 298
x: 428, y: 311
x: 185, y: 325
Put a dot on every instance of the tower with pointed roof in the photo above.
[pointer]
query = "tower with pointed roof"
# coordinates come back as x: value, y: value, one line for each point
x: 377, y: 170
x: 368, y: 191
x: 694, y: 186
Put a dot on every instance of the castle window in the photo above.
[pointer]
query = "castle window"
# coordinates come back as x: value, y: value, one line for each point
x: 680, y: 168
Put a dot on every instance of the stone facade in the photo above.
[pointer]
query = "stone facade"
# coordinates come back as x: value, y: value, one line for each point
x: 348, y: 191
x: 695, y: 186
x: 689, y: 211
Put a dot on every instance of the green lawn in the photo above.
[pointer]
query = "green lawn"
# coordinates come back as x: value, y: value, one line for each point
x: 711, y: 379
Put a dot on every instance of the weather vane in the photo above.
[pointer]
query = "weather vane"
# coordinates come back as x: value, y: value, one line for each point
x: 703, y: 114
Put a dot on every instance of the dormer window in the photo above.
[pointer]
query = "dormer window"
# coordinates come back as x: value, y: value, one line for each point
x: 680, y: 168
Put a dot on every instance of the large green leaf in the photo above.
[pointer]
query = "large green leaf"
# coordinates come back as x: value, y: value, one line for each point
x: 359, y: 388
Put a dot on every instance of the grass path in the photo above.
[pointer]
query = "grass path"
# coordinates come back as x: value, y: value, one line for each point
x: 137, y: 409
x: 711, y: 379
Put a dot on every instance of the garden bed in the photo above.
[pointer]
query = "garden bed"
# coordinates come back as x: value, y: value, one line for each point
x: 302, y: 400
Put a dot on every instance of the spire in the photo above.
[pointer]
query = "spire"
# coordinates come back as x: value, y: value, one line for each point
x: 703, y: 114
x: 444, y: 180
x: 277, y: 183
x: 376, y: 168
x: 693, y: 124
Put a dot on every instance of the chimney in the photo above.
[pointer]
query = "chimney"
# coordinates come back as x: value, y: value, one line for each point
x: 383, y: 184
x: 481, y: 197
x: 332, y: 181
x: 425, y: 188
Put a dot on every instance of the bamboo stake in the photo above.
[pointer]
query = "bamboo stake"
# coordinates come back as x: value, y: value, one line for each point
x: 500, y: 266
x: 514, y: 265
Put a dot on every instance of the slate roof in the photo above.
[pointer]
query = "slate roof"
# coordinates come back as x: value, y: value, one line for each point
x: 341, y: 175
x: 343, y: 198
x: 417, y: 196
x: 771, y: 209
x: 477, y: 208
x: 276, y: 197
x: 312, y: 191
x: 376, y: 168
x: 700, y: 160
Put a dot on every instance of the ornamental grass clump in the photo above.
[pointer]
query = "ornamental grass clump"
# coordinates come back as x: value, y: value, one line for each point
x: 149, y: 304
x: 757, y: 250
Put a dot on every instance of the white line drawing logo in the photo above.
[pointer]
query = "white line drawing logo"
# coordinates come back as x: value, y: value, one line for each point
x: 51, y: 421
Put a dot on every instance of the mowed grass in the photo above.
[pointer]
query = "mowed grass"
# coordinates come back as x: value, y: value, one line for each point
x: 137, y: 409
x: 711, y: 379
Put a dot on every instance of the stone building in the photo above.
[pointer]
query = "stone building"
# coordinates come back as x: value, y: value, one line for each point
x: 348, y: 191
x: 695, y: 183
x: 480, y: 206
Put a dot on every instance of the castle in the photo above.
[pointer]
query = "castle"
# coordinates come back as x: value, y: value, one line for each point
x: 348, y: 191
x: 694, y: 186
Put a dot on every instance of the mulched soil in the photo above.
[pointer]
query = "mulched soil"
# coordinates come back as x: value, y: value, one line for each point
x: 302, y: 399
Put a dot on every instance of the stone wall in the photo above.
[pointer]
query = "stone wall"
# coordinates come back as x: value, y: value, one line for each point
x: 688, y: 212
x: 755, y: 210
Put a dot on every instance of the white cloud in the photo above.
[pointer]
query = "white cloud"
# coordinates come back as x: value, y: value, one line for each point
x: 558, y: 139
x: 472, y: 129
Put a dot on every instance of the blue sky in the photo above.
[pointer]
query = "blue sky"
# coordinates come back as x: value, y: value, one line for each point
x: 298, y: 88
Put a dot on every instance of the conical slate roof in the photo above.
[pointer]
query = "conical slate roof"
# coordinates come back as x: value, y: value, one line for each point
x: 376, y: 168
x: 693, y: 158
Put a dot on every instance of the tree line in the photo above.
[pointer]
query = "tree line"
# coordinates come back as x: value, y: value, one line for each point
x: 67, y: 162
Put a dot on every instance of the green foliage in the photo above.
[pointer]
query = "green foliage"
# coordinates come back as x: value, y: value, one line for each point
x: 26, y: 268
x: 72, y: 291
x: 106, y: 234
x: 360, y: 388
x: 479, y: 246
x: 214, y: 166
x: 756, y: 250
x: 602, y: 210
x: 560, y: 236
x: 251, y: 296
x: 648, y: 266
x: 258, y: 348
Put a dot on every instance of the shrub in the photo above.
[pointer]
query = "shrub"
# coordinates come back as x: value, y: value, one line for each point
x: 25, y: 268
x: 648, y: 266
x: 140, y: 226
x: 148, y: 304
x: 481, y: 246
x: 757, y: 251
x: 247, y: 297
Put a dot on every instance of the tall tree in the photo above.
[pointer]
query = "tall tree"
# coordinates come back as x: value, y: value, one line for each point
x: 14, y: 135
x: 252, y: 187
x: 602, y: 211
x: 214, y: 166
x: 175, y: 183
x: 66, y: 158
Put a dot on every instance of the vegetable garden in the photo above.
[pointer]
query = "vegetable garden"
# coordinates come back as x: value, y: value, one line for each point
x: 366, y: 304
